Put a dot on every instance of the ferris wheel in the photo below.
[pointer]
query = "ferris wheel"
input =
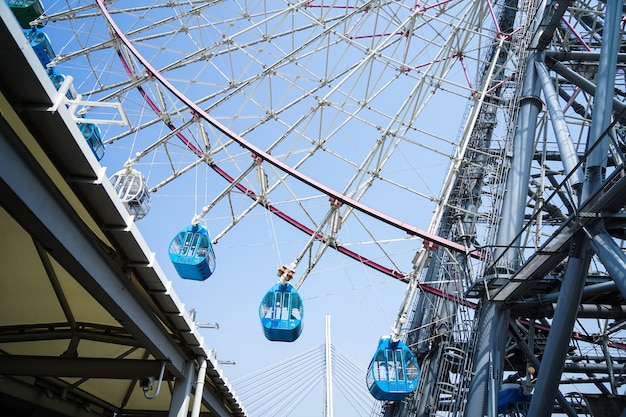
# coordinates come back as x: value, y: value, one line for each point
x: 325, y: 114
x: 379, y: 130
x: 341, y: 119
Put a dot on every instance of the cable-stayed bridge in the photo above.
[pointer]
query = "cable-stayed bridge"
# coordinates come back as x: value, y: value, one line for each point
x: 322, y: 377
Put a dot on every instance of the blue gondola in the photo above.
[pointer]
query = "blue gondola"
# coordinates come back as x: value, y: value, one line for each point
x: 192, y: 254
x: 40, y: 43
x: 512, y: 400
x: 393, y: 373
x: 26, y: 11
x: 57, y: 80
x: 281, y: 312
x: 91, y: 133
x: 131, y: 188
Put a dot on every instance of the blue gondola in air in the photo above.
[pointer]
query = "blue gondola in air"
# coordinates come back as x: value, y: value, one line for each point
x: 131, y: 188
x: 192, y: 254
x: 40, y: 43
x: 513, y: 400
x: 393, y: 373
x: 281, y: 312
x: 26, y: 11
x: 92, y: 135
x: 57, y: 80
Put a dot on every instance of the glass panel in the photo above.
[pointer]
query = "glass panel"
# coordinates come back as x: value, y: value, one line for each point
x: 124, y: 188
x: 185, y: 249
x: 194, y: 244
x: 204, y: 246
x: 284, y: 314
x: 277, y: 306
x: 296, y: 308
x: 175, y: 246
x: 399, y: 364
x: 380, y: 366
x: 369, y: 378
x: 133, y: 188
x: 268, y: 302
x: 391, y: 366
x: 412, y: 370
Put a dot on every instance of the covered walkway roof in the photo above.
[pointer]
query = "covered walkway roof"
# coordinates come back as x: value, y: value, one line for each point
x: 87, y: 316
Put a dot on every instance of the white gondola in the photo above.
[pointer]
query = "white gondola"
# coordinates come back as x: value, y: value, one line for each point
x: 130, y: 186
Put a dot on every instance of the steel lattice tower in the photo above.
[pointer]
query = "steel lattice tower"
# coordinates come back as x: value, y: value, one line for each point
x: 540, y: 192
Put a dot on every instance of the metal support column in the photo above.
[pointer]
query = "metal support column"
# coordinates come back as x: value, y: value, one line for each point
x: 561, y: 330
x: 576, y: 270
x: 179, y: 404
x: 611, y: 255
x: 517, y: 181
x: 494, y: 321
x: 485, y: 386
x: 566, y: 146
x: 598, y: 141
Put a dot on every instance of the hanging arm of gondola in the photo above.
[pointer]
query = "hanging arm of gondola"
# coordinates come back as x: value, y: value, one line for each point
x: 285, y: 273
x: 419, y: 263
x: 333, y: 218
x: 259, y: 197
x: 198, y: 217
x: 394, y: 371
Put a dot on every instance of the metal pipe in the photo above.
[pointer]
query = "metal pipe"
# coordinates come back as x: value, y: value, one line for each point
x: 197, y: 397
x: 609, y: 361
x: 584, y: 84
x: 595, y: 368
x: 596, y: 311
x: 493, y: 320
x: 610, y: 254
x: 558, y: 341
x: 491, y: 338
x: 494, y: 384
x: 603, y: 102
x: 580, y: 56
x: 535, y: 302
x: 517, y: 181
x: 158, y: 388
x: 569, y: 157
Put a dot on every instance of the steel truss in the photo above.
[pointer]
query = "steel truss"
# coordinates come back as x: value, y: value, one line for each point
x: 543, y: 199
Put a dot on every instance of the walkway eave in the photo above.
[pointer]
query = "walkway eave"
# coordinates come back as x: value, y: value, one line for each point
x: 28, y: 178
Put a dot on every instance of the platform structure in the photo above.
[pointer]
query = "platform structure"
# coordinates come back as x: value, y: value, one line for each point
x: 89, y: 324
